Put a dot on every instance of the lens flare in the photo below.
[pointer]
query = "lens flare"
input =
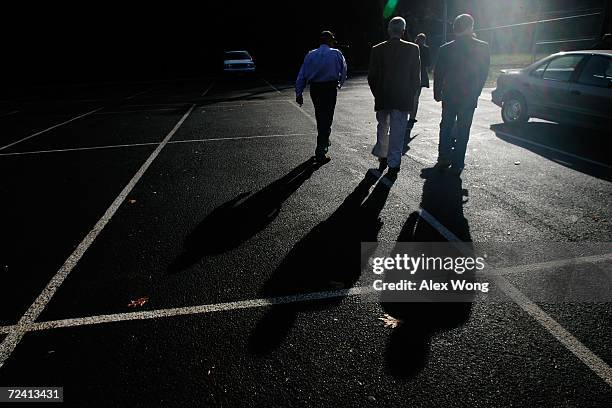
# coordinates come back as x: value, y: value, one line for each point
x: 390, y: 8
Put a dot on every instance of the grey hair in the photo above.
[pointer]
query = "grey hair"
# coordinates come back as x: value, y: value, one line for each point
x: 463, y: 24
x: 396, y: 27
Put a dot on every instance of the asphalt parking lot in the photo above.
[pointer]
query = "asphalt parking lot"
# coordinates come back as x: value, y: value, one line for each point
x: 171, y: 244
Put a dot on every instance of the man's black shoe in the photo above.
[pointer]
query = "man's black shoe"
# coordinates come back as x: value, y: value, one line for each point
x: 322, y: 159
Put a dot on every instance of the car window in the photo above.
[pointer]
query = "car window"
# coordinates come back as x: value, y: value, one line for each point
x: 562, y: 68
x: 237, y: 55
x: 597, y: 72
x: 539, y: 70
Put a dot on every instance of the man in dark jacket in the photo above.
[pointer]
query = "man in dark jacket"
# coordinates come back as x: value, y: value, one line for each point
x: 394, y: 78
x: 459, y: 76
x: 425, y: 64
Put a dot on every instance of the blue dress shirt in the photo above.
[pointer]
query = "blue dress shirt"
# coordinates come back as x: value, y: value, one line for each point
x: 321, y: 65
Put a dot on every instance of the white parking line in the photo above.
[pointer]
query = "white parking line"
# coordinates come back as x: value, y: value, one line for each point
x: 308, y: 115
x: 208, y: 89
x: 242, y: 103
x: 604, y: 165
x: 191, y: 310
x: 266, y: 302
x: 178, y: 104
x: 9, y: 114
x: 138, y: 94
x: 138, y: 111
x: 212, y: 139
x: 597, y: 365
x: 50, y: 128
x: 12, y: 340
x: 270, y: 85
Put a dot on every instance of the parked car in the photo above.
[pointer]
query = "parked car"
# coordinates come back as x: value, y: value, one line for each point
x: 238, y: 62
x: 567, y: 87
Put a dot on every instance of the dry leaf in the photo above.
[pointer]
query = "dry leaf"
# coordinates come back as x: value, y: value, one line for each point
x: 138, y: 302
x: 390, y: 321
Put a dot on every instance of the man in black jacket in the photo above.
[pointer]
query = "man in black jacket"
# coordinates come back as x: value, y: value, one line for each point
x: 425, y: 64
x: 394, y: 77
x: 459, y: 76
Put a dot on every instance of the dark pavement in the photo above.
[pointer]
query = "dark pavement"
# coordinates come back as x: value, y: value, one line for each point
x: 232, y: 211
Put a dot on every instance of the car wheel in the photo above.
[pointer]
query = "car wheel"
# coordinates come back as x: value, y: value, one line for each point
x: 514, y: 110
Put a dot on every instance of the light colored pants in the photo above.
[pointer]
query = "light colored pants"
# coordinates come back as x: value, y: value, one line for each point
x: 390, y: 134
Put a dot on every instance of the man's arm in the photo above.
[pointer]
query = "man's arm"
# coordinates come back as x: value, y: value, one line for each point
x: 439, y: 74
x: 301, y: 80
x: 484, y: 65
x: 373, y: 71
x: 416, y: 69
x: 343, y: 70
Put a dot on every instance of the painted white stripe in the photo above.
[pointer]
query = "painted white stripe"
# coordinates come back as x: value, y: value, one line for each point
x: 138, y: 94
x: 242, y: 103
x: 270, y: 85
x: 308, y: 115
x: 9, y: 113
x: 264, y: 302
x: 51, y: 128
x: 177, y: 104
x: 192, y: 310
x: 138, y: 111
x: 242, y: 138
x: 597, y: 365
x: 604, y: 165
x: 208, y: 89
x: 12, y: 340
x: 78, y: 149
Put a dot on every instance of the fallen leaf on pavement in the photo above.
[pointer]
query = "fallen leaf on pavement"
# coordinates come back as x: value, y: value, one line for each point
x: 390, y: 321
x: 138, y: 302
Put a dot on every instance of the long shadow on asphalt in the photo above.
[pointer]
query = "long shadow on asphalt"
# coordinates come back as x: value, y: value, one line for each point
x: 328, y: 258
x: 239, y: 219
x: 590, y: 144
x: 409, y: 346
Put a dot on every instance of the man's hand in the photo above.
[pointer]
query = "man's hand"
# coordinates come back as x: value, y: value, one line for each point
x: 299, y: 100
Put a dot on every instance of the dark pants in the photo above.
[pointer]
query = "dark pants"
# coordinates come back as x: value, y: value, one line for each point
x: 458, y: 119
x: 323, y: 96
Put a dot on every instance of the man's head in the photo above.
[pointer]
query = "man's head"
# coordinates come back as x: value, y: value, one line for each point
x: 420, y: 39
x: 327, y: 37
x: 396, y: 27
x: 463, y: 25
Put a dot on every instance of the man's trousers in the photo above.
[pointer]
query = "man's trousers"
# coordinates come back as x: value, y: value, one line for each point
x: 453, y: 145
x: 323, y: 96
x: 390, y: 134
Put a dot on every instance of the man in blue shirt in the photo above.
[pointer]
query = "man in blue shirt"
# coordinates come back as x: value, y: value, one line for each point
x: 324, y: 69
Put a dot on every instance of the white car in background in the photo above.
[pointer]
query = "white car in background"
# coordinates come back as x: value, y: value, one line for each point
x: 238, y: 62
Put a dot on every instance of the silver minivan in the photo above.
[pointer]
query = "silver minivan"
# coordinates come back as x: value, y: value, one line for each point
x: 568, y: 87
